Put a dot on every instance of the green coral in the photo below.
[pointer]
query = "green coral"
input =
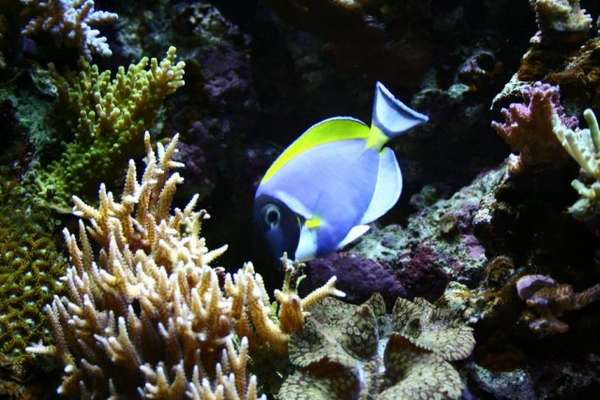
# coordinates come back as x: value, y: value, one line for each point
x: 347, y: 351
x: 584, y: 146
x: 30, y: 265
x: 106, y: 117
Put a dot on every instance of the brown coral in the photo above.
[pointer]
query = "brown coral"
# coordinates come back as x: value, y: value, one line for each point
x: 347, y: 351
x: 550, y: 300
x: 145, y: 316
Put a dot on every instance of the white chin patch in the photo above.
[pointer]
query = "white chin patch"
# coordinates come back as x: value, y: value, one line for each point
x: 307, y: 245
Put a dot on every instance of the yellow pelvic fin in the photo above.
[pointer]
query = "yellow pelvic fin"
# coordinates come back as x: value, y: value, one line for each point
x: 327, y: 131
x: 377, y: 139
x: 313, y: 223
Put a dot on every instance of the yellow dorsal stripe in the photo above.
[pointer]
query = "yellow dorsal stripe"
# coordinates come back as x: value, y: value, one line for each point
x: 330, y: 130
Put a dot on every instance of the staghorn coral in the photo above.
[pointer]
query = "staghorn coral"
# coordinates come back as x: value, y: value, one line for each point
x: 30, y: 265
x: 252, y: 307
x: 71, y: 23
x: 584, y: 146
x: 145, y: 316
x: 550, y: 300
x: 528, y: 128
x: 107, y: 117
x: 347, y: 351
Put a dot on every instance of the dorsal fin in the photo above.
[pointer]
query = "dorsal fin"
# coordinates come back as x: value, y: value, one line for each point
x: 329, y: 130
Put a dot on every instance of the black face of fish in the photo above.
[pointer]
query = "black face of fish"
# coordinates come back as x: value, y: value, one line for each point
x: 279, y: 225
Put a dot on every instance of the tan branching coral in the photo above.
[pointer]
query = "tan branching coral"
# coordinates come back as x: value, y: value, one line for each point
x: 253, y: 312
x: 70, y: 23
x: 145, y: 316
x: 359, y: 352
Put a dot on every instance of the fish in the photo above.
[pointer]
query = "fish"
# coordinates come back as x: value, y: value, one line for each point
x: 324, y: 189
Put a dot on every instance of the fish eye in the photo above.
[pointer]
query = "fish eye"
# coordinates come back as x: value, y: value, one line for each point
x: 272, y: 215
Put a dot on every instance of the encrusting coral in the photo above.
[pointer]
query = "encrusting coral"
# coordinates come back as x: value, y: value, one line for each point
x: 584, y: 146
x: 528, y: 128
x: 550, y: 300
x: 106, y: 117
x: 30, y: 265
x: 145, y: 316
x: 71, y: 23
x: 562, y: 16
x: 359, y: 352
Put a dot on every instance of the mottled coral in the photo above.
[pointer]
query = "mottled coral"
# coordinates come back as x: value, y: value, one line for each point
x: 106, y: 117
x: 528, y: 128
x: 145, y: 316
x: 550, y: 300
x: 359, y: 352
x: 70, y: 23
x: 584, y: 146
x: 30, y: 265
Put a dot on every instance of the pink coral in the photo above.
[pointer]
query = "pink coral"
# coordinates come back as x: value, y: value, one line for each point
x: 528, y: 128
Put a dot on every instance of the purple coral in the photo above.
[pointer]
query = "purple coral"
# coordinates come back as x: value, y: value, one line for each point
x: 527, y: 128
x: 358, y: 277
x: 529, y: 284
x: 70, y: 22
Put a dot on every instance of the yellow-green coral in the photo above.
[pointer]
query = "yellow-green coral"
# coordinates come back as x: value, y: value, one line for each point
x: 30, y: 265
x: 584, y: 146
x: 106, y: 117
x: 359, y: 352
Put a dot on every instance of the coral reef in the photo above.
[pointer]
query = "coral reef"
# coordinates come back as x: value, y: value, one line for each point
x: 550, y: 300
x: 30, y: 266
x: 70, y: 23
x: 145, y: 316
x: 561, y: 16
x: 528, y: 128
x: 438, y: 243
x: 584, y: 146
x: 359, y: 352
x: 106, y: 117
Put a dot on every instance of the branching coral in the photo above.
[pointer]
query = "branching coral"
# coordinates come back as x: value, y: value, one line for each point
x: 359, y: 352
x: 528, y: 128
x: 550, y: 300
x: 107, y: 117
x: 70, y: 22
x: 252, y: 307
x: 584, y: 146
x: 145, y: 316
x: 30, y: 265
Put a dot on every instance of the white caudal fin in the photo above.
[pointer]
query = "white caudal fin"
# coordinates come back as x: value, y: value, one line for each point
x: 392, y: 116
x: 387, y: 187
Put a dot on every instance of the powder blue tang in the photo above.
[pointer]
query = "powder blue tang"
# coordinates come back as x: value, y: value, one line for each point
x: 337, y: 177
